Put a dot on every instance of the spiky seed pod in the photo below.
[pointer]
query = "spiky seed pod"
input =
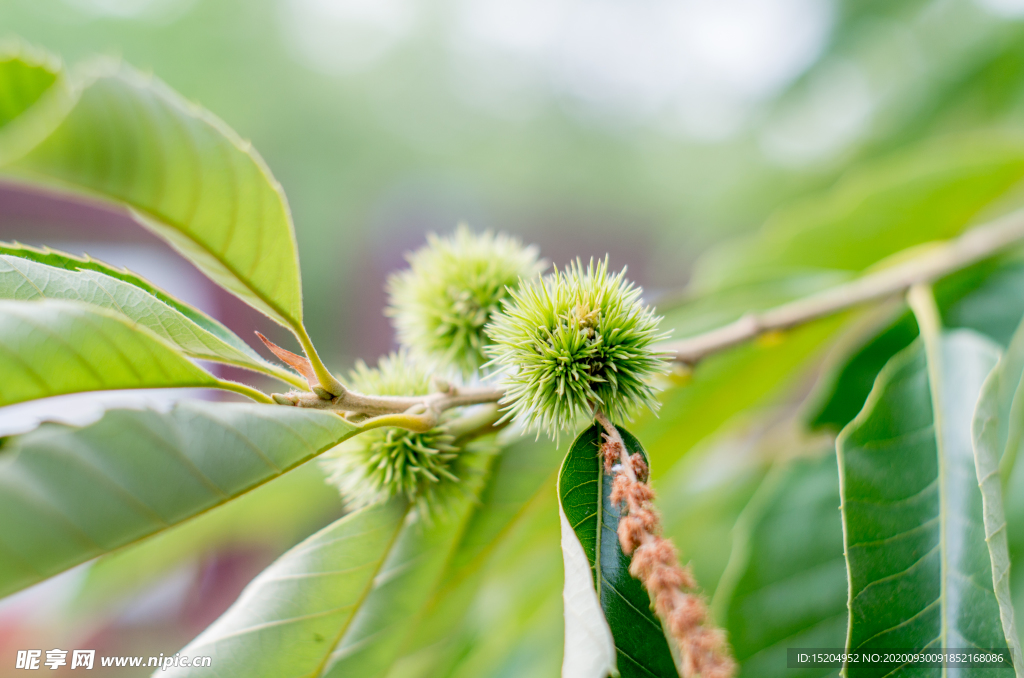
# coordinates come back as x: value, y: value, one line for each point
x: 574, y: 339
x: 453, y: 285
x: 382, y: 463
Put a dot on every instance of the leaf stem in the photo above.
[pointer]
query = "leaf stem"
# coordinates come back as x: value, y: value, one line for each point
x: 922, y: 302
x: 247, y: 391
x: 969, y: 248
x: 323, y: 375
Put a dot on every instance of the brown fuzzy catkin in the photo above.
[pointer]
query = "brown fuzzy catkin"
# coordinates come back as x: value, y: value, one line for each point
x: 654, y: 562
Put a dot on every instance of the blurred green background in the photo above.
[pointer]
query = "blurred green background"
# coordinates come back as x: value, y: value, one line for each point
x: 646, y: 130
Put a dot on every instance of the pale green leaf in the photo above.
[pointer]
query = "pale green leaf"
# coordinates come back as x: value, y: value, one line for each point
x: 30, y: 81
x: 520, y: 473
x: 288, y: 618
x: 919, y: 569
x: 53, y: 347
x: 131, y: 140
x: 28, y: 274
x: 69, y: 494
x: 271, y: 518
x: 336, y: 605
x: 410, y: 573
x: 26, y: 78
x: 997, y: 435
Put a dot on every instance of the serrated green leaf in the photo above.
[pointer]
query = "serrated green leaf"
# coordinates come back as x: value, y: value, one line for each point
x: 344, y: 607
x: 996, y: 430
x: 919, y: 569
x: 69, y: 494
x: 883, y: 207
x: 182, y: 173
x: 53, y: 347
x: 583, y: 491
x: 785, y: 585
x: 29, y: 274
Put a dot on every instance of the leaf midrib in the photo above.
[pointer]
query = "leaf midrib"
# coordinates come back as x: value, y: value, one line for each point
x: 930, y: 335
x: 370, y: 585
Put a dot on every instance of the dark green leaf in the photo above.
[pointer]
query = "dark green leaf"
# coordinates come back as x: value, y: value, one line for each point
x: 69, y: 494
x: 785, y: 585
x: 726, y: 384
x: 987, y: 297
x: 919, y: 569
x: 844, y: 389
x: 584, y: 489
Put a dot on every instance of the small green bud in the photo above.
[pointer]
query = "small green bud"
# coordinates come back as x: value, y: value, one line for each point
x: 453, y: 286
x: 572, y: 341
x: 285, y: 398
x: 382, y: 463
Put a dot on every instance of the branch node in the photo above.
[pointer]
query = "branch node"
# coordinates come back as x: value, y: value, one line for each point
x: 323, y: 393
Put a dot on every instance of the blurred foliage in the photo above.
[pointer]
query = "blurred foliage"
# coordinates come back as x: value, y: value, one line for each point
x: 393, y: 148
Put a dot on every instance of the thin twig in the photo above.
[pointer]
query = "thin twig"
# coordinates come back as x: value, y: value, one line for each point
x: 420, y: 411
x: 973, y: 246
